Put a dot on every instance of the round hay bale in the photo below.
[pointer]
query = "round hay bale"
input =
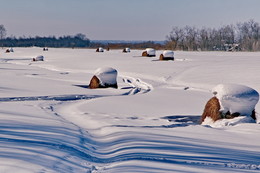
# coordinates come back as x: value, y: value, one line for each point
x: 167, y: 55
x: 229, y: 101
x: 104, y: 78
x: 126, y: 50
x: 150, y: 52
x: 100, y: 49
x: 39, y: 58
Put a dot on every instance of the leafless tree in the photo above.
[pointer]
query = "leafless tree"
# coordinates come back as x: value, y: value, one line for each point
x: 2, y: 33
x: 175, y: 38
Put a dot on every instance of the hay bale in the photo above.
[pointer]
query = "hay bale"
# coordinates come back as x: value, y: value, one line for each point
x: 104, y: 78
x: 39, y: 58
x: 149, y: 52
x: 230, y: 101
x: 9, y: 50
x: 167, y: 55
x: 126, y: 50
x: 100, y: 49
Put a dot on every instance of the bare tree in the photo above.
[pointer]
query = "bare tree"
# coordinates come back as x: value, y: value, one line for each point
x: 191, y: 38
x: 175, y: 38
x: 2, y: 34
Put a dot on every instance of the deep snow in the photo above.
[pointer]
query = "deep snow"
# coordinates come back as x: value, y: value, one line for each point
x: 51, y: 121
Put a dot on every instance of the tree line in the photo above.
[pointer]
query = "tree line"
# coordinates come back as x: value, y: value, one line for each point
x: 242, y: 36
x: 79, y: 40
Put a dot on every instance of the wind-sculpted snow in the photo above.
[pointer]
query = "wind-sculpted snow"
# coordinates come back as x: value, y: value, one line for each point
x: 65, y: 147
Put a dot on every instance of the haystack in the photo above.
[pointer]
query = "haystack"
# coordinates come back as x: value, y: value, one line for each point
x: 100, y: 49
x: 104, y: 78
x: 167, y: 55
x: 126, y: 50
x: 230, y: 101
x: 9, y: 50
x: 39, y: 58
x: 150, y: 52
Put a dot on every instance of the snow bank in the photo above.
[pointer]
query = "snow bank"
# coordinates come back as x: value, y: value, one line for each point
x: 236, y: 98
x: 106, y: 75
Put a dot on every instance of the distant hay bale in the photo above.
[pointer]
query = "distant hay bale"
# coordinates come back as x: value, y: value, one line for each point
x: 149, y: 52
x: 39, y: 58
x: 167, y: 55
x: 100, y: 49
x: 230, y: 101
x: 9, y: 50
x: 126, y: 50
x: 104, y: 78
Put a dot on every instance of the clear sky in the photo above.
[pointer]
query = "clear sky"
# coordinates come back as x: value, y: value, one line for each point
x: 120, y: 19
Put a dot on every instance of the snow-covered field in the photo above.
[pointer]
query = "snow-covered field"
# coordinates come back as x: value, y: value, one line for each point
x: 51, y: 122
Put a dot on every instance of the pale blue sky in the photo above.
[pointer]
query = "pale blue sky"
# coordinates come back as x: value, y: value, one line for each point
x: 120, y: 19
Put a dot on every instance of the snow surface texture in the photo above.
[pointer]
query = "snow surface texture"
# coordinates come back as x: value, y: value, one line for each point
x: 52, y: 122
x: 106, y: 75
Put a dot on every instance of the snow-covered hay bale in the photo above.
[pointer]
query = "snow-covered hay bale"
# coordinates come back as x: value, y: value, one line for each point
x: 9, y: 50
x: 39, y: 58
x: 150, y: 52
x: 100, y: 49
x: 126, y: 50
x: 104, y: 78
x: 229, y: 101
x: 167, y: 55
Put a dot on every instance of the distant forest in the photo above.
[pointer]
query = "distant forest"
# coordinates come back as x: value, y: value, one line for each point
x: 240, y: 37
x: 79, y: 40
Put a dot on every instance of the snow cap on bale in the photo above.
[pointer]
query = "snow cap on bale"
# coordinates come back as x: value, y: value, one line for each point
x: 150, y: 51
x: 103, y: 78
x: 39, y: 58
x: 168, y: 54
x: 106, y: 75
x: 236, y: 98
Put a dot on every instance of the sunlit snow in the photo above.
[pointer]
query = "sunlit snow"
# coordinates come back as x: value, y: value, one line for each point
x: 52, y: 122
